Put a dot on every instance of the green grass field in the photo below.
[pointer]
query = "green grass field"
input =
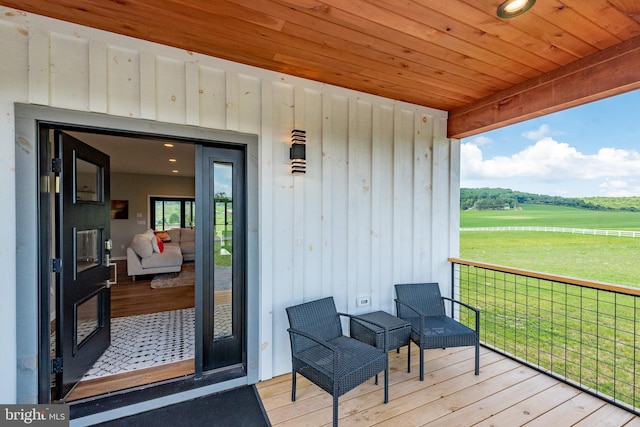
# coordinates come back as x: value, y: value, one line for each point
x: 601, y: 258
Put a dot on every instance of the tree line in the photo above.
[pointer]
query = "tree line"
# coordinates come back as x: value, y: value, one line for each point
x: 504, y: 198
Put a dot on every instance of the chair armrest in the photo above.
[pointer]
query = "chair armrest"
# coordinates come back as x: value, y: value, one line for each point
x: 317, y: 340
x: 383, y: 327
x: 477, y: 311
x: 410, y: 307
x: 415, y: 310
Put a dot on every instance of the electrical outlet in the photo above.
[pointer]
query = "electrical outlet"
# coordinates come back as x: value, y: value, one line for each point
x: 363, y: 301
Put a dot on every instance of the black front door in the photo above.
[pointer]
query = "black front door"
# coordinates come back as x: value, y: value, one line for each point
x: 221, y: 176
x: 82, y: 259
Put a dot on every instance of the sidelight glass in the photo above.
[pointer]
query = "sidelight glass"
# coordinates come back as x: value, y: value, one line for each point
x: 223, y: 249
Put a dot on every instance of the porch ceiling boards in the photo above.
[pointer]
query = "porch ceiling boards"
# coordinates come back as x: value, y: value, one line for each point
x: 505, y: 393
x: 453, y: 55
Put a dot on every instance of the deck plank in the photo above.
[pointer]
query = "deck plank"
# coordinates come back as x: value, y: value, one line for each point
x: 506, y: 393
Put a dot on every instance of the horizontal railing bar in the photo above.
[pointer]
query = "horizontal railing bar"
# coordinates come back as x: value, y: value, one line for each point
x: 627, y: 290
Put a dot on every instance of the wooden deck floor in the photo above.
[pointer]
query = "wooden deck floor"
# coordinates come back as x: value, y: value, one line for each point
x: 505, y: 393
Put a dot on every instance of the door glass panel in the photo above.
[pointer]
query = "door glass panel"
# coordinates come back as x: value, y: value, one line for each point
x: 87, y: 319
x: 88, y: 180
x: 223, y: 250
x: 87, y: 249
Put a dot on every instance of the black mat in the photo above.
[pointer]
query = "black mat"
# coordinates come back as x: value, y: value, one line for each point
x: 238, y: 408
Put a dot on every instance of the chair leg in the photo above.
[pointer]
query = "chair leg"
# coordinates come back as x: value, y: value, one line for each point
x: 409, y: 357
x: 386, y: 385
x: 421, y: 364
x: 335, y: 409
x: 293, y: 386
x: 477, y: 358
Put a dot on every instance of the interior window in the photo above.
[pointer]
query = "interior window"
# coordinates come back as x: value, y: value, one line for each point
x: 172, y: 212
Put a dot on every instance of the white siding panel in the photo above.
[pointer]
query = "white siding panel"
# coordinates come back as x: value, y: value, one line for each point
x: 14, y: 42
x: 286, y: 290
x: 248, y: 104
x: 212, y: 98
x: 359, y: 202
x: 38, y: 65
x: 382, y: 209
x: 69, y: 72
x: 171, y: 98
x: 98, y: 96
x: 440, y: 268
x: 146, y: 79
x: 123, y: 80
x: 311, y: 199
x: 338, y: 145
x: 403, y: 165
x: 423, y: 241
x: 192, y: 96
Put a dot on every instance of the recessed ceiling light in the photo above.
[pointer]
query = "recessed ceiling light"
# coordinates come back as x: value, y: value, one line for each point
x: 513, y: 8
x: 168, y: 145
x: 175, y: 171
x: 172, y: 160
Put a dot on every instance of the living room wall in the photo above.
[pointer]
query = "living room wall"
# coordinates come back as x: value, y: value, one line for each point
x: 137, y: 188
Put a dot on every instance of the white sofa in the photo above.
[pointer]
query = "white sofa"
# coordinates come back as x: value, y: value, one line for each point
x: 146, y: 256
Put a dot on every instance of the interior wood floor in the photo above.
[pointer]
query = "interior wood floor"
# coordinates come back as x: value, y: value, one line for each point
x: 505, y: 393
x: 132, y: 298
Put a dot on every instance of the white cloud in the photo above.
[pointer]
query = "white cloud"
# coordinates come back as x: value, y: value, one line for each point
x: 535, y: 135
x: 554, y: 168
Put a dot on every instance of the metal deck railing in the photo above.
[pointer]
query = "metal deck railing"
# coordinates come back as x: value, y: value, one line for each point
x: 581, y: 332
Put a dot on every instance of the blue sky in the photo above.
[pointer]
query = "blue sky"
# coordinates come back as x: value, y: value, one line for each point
x: 591, y: 150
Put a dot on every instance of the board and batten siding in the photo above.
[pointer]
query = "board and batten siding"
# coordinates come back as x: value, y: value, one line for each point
x: 377, y: 206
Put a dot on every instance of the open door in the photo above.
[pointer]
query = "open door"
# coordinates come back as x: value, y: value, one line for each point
x: 81, y: 263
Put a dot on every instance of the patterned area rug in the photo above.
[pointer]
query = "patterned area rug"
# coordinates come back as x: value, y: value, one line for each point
x: 148, y: 340
x: 186, y: 277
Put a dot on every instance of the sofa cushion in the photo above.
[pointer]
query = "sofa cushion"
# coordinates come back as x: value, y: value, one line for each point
x: 174, y: 235
x: 141, y: 245
x: 187, y: 235
x: 170, y: 257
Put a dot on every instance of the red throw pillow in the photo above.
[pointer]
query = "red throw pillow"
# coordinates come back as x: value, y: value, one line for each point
x: 160, y: 244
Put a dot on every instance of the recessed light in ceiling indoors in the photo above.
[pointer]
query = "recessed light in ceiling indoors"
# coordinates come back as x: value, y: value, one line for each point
x: 175, y: 171
x: 513, y: 8
x: 168, y: 145
x: 172, y: 160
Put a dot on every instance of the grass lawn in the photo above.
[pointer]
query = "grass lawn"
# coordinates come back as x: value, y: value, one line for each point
x: 600, y: 258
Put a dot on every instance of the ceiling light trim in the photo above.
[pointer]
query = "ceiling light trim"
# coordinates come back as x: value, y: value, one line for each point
x: 513, y: 8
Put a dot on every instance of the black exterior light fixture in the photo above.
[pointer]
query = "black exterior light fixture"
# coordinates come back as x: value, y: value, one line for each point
x: 298, y: 151
x: 513, y: 8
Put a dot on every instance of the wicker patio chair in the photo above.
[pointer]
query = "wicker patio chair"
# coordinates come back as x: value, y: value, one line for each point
x: 321, y: 353
x: 422, y: 305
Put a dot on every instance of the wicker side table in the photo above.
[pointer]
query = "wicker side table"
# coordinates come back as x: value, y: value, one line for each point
x: 399, y: 331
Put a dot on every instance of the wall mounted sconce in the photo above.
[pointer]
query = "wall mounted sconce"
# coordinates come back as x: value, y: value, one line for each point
x: 298, y: 151
x: 513, y: 8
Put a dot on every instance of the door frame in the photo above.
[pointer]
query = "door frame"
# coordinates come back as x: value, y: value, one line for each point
x: 32, y: 287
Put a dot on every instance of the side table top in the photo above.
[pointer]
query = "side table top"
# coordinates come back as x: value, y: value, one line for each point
x: 382, y: 318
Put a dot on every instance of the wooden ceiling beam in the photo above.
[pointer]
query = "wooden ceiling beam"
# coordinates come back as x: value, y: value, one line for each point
x: 613, y: 71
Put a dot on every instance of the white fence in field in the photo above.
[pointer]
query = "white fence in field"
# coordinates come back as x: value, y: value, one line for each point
x: 616, y: 233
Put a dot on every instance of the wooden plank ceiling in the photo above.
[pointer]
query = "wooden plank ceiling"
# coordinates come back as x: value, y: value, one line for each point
x: 453, y: 55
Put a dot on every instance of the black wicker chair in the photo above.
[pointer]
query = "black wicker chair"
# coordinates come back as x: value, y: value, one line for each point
x: 322, y: 354
x: 422, y: 305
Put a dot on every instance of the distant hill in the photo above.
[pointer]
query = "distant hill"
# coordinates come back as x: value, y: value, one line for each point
x: 504, y: 198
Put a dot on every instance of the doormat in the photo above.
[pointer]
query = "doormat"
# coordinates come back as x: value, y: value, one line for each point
x: 186, y: 277
x: 240, y: 407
